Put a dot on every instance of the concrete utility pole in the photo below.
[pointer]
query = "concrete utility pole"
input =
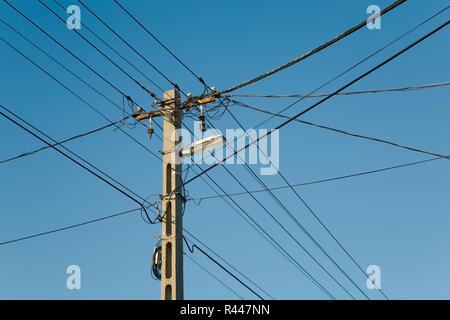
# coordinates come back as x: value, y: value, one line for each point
x: 172, y: 110
x: 172, y: 224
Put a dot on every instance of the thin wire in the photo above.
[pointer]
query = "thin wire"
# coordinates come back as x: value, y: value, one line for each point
x: 350, y: 93
x: 67, y: 50
x: 358, y: 63
x: 213, y: 276
x: 307, y: 183
x: 140, y: 85
x: 85, y: 26
x: 129, y: 45
x: 194, y: 246
x: 227, y: 263
x: 355, y: 135
x: 84, y: 134
x: 159, y: 42
x: 70, y: 90
x: 293, y: 218
x: 72, y: 159
x: 275, y: 242
x: 327, y: 98
x: 68, y: 227
x: 362, y: 24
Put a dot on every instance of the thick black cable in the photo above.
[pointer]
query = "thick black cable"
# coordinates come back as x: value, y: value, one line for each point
x: 349, y: 93
x: 140, y: 85
x: 361, y: 25
x: 213, y: 276
x: 160, y: 42
x: 68, y: 51
x: 347, y: 133
x: 409, y: 31
x: 291, y: 215
x: 284, y: 228
x: 194, y: 246
x: 69, y: 157
x: 129, y: 45
x: 85, y: 26
x: 327, y: 98
x: 70, y: 90
x: 227, y: 263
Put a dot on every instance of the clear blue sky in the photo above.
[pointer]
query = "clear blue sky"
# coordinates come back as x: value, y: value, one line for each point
x: 398, y: 220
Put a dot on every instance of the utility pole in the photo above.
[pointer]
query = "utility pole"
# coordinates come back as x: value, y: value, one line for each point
x: 172, y: 199
x: 172, y: 222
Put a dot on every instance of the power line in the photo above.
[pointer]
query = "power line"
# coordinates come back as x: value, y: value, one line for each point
x: 129, y: 45
x: 284, y: 229
x: 119, y: 36
x: 259, y: 180
x: 403, y: 35
x: 307, y: 183
x: 194, y: 246
x: 85, y: 26
x: 344, y: 132
x: 73, y: 159
x: 140, y: 85
x: 70, y: 90
x: 68, y: 51
x: 80, y: 135
x: 213, y: 276
x: 227, y: 263
x: 159, y: 42
x: 47, y: 73
x: 294, y: 219
x: 101, y: 21
x: 325, y: 99
x: 314, y: 51
x: 350, y: 93
x: 36, y: 235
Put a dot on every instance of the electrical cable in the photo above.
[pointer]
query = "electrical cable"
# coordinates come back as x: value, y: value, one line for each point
x: 350, y: 93
x: 212, y: 275
x: 378, y: 66
x: 140, y: 85
x: 85, y: 26
x: 71, y: 158
x: 325, y: 45
x: 69, y: 227
x: 194, y: 246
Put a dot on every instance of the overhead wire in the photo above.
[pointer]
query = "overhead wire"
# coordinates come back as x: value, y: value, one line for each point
x: 139, y: 84
x: 324, y: 180
x: 99, y: 38
x: 129, y: 45
x: 200, y: 79
x: 195, y: 76
x: 75, y: 137
x: 311, y: 107
x: 77, y: 162
x: 349, y: 93
x: 347, y: 133
x: 227, y: 263
x: 213, y: 276
x: 192, y: 249
x: 323, y: 46
x: 77, y: 225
